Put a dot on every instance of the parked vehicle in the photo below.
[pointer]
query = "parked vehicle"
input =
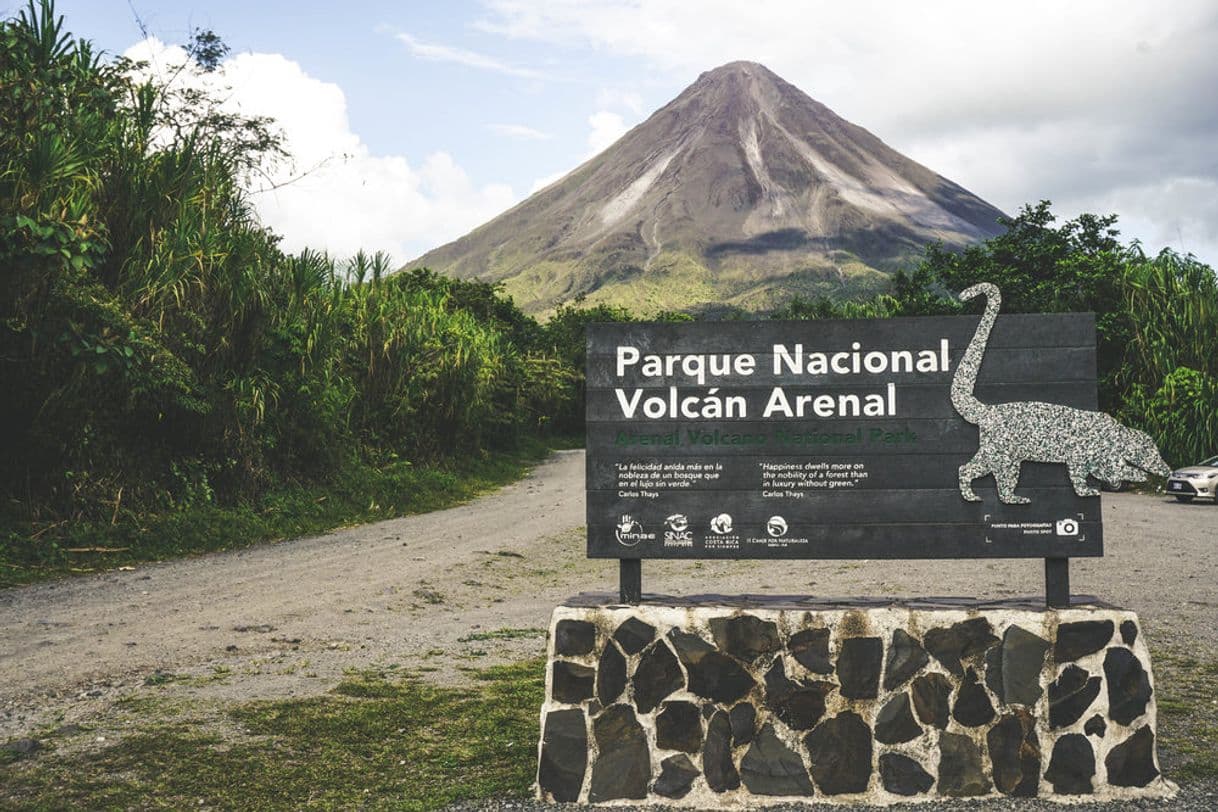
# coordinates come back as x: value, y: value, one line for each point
x: 1198, y: 480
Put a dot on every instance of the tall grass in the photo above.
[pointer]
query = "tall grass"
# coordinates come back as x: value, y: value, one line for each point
x: 158, y: 348
x: 1170, y: 372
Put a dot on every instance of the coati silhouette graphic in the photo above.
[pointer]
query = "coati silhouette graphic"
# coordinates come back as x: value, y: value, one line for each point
x: 1088, y: 443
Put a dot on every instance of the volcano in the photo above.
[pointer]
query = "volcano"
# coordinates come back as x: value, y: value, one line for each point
x: 741, y: 191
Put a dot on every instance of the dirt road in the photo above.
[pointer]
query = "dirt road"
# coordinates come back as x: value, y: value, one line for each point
x: 475, y: 584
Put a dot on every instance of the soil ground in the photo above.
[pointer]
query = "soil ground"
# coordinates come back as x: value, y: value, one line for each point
x: 473, y: 585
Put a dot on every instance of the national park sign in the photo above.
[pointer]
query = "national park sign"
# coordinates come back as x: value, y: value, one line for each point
x: 938, y: 437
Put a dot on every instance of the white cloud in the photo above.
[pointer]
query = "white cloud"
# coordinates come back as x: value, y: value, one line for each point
x: 436, y: 52
x: 607, y: 127
x: 618, y: 98
x: 542, y: 183
x: 520, y: 131
x: 1089, y: 103
x: 348, y: 197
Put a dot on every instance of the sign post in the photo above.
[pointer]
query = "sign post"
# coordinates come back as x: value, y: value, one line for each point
x: 828, y: 439
x: 954, y: 437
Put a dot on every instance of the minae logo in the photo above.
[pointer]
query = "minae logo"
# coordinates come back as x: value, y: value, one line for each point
x: 630, y: 532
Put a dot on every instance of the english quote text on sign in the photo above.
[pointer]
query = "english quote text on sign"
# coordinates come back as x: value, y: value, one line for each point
x: 824, y: 439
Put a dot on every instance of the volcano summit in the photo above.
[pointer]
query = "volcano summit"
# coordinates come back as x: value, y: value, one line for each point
x: 743, y: 190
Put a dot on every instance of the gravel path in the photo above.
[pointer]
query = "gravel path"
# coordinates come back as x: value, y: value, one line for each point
x: 1198, y: 797
x: 473, y: 585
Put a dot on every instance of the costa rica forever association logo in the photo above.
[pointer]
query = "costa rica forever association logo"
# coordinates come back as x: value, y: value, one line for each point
x: 629, y: 531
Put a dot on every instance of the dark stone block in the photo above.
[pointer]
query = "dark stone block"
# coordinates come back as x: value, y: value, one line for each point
x: 712, y: 674
x: 679, y: 727
x: 745, y: 637
x: 800, y: 705
x: 657, y: 676
x: 1020, y: 659
x: 895, y: 722
x: 571, y: 682
x: 769, y: 767
x: 810, y: 648
x: 960, y: 641
x: 1070, y: 696
x: 1076, y: 640
x: 931, y: 693
x: 904, y: 776
x: 623, y: 765
x: 564, y: 754
x: 841, y: 754
x: 1128, y: 685
x: 1015, y: 754
x: 1072, y: 765
x: 960, y: 772
x: 717, y: 763
x: 610, y: 674
x: 973, y: 707
x: 1132, y: 762
x: 1129, y: 632
x: 744, y: 721
x: 574, y: 637
x: 1096, y: 726
x: 708, y: 711
x: 677, y: 774
x: 993, y: 671
x: 906, y: 658
x: 858, y: 667
x: 634, y: 635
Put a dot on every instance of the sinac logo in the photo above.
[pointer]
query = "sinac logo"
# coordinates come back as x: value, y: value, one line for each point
x: 776, y: 527
x: 721, y: 524
x: 677, y: 522
x: 678, y: 533
x: 629, y: 532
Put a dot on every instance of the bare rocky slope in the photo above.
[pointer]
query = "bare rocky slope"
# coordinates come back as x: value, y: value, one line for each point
x: 742, y: 190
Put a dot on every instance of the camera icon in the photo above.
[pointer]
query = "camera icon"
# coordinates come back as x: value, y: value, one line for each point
x: 1067, y: 527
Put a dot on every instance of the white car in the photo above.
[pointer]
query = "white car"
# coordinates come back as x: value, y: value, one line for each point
x: 1197, y: 480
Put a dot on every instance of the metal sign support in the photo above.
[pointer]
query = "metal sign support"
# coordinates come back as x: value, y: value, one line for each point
x: 1057, y: 583
x: 630, y: 576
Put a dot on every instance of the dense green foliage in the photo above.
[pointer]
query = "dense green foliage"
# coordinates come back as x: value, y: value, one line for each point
x: 159, y: 351
x: 1156, y: 317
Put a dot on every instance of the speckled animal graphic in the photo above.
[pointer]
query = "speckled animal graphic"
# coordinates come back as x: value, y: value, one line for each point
x: 1088, y: 443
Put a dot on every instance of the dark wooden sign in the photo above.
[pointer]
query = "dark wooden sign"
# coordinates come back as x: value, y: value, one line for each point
x: 835, y: 439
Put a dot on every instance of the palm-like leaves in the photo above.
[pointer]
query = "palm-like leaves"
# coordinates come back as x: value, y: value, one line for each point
x: 150, y: 324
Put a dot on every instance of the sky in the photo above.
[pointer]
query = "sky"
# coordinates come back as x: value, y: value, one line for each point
x: 413, y: 122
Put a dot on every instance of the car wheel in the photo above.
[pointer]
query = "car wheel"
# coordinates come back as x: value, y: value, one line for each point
x: 1117, y: 488
x: 1183, y: 498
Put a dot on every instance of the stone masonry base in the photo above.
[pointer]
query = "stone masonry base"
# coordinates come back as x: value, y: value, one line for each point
x: 720, y: 702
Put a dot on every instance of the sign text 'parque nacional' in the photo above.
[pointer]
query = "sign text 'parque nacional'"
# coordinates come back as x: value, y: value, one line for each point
x: 848, y: 439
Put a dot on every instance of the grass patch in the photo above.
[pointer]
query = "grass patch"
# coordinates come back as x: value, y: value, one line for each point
x: 502, y: 634
x: 374, y: 742
x: 1188, y: 714
x: 360, y: 494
